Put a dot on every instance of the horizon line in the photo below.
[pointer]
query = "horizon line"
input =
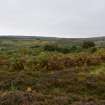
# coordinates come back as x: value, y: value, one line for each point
x: 14, y: 35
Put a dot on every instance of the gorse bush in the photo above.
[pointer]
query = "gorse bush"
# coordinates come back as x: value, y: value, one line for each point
x: 60, y: 61
x: 93, y: 49
x: 51, y: 47
x: 62, y: 49
x: 54, y: 60
x: 88, y: 44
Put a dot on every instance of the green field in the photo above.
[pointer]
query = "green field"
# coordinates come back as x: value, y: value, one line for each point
x: 52, y: 71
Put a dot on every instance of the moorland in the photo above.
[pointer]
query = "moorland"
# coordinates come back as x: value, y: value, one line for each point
x: 52, y: 71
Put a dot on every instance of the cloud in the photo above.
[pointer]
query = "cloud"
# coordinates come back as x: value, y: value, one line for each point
x: 65, y: 18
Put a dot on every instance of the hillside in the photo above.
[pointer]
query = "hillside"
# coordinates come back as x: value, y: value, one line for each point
x: 52, y: 71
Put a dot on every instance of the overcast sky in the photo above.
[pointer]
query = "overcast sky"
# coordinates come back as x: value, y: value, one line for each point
x: 61, y: 18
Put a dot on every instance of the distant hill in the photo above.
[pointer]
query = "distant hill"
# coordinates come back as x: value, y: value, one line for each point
x: 53, y: 38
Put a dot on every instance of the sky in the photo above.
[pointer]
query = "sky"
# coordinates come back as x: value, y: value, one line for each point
x: 53, y: 18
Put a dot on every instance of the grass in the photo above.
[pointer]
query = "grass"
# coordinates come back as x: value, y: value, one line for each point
x: 97, y: 70
x: 30, y: 75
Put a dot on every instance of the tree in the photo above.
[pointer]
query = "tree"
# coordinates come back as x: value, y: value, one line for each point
x: 88, y: 44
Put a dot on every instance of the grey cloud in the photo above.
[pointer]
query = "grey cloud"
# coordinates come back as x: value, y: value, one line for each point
x: 65, y: 18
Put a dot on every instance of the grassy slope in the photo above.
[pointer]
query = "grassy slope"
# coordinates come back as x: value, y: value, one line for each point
x: 75, y: 85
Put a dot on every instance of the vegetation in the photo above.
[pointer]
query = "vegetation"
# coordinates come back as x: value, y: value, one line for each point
x: 88, y: 44
x: 51, y: 71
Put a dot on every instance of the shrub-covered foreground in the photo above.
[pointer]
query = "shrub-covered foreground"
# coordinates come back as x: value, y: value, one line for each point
x: 31, y: 74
